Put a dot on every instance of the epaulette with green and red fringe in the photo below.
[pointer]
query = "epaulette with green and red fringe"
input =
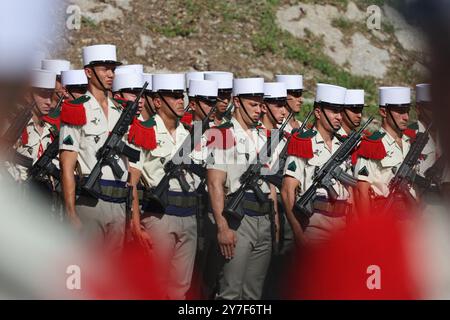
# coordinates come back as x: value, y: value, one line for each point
x: 354, y: 154
x: 73, y: 112
x: 221, y: 137
x: 411, y: 130
x: 53, y: 118
x: 372, y: 147
x: 142, y: 133
x: 300, y: 144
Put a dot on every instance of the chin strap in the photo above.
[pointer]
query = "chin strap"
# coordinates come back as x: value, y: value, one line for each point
x: 168, y: 105
x: 348, y: 118
x: 393, y: 120
x: 245, y: 110
x: 328, y: 120
x: 105, y: 91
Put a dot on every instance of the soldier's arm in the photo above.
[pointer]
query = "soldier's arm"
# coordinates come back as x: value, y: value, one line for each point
x: 363, y: 172
x: 288, y: 195
x: 273, y: 196
x: 225, y: 236
x: 134, y: 175
x: 293, y: 173
x: 69, y: 147
x: 216, y: 182
x: 362, y: 199
x: 68, y: 161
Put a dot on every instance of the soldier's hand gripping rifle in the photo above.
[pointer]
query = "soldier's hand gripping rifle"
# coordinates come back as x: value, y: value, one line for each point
x: 113, y: 147
x: 249, y: 179
x: 44, y: 166
x: 406, y: 174
x: 327, y: 176
x: 277, y: 177
x: 174, y: 169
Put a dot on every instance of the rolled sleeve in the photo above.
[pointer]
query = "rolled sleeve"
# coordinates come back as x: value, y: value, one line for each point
x: 294, y: 167
x: 365, y: 170
x: 69, y: 138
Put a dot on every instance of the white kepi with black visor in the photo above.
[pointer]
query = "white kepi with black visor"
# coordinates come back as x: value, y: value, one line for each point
x: 423, y: 93
x: 225, y: 87
x: 248, y: 88
x: 131, y: 82
x: 394, y: 98
x: 74, y: 80
x: 293, y: 83
x: 329, y: 97
x: 43, y: 79
x: 100, y: 54
x: 173, y: 84
x: 354, y: 100
x: 56, y: 66
x: 205, y: 91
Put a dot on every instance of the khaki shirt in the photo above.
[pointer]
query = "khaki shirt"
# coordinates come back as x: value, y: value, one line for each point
x: 152, y: 161
x: 37, y: 143
x: 380, y: 172
x: 235, y: 160
x: 428, y: 157
x: 304, y: 170
x: 86, y: 140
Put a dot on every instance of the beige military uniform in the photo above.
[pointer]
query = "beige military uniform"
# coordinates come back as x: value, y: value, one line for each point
x: 104, y: 218
x: 380, y: 172
x: 34, y: 148
x: 429, y: 152
x: 243, y: 276
x: 174, y: 234
x: 323, y: 221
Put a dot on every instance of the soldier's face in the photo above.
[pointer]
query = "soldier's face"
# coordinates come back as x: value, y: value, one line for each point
x: 75, y: 92
x: 202, y: 108
x: 252, y: 107
x: 295, y: 101
x: 43, y: 100
x: 105, y: 74
x: 149, y: 101
x: 399, y: 115
x: 174, y: 101
x: 352, y: 117
x: 275, y: 109
x: 131, y: 96
x: 59, y: 91
x: 425, y: 112
x: 223, y: 100
x: 334, y: 115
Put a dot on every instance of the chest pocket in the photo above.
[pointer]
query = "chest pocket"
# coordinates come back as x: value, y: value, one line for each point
x: 163, y: 152
x: 33, y: 138
x: 95, y: 134
x: 393, y: 159
x: 319, y: 158
x: 245, y: 154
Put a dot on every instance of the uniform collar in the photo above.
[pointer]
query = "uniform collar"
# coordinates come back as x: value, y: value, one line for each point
x: 237, y: 126
x: 161, y: 126
x: 319, y: 139
x: 389, y: 139
x: 93, y: 103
